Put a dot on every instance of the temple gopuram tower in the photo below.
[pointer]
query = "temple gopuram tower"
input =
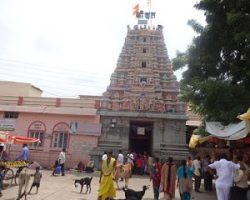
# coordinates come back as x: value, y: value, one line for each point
x: 140, y: 109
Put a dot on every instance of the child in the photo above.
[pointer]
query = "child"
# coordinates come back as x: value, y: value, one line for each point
x: 37, y: 180
x: 155, y: 176
x: 1, y: 179
x: 57, y: 168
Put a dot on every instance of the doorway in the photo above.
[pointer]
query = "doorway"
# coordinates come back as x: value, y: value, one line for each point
x: 140, y: 136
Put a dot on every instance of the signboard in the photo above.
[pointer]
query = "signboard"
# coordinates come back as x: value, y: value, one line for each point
x: 142, y: 21
x: 140, y: 131
x: 37, y: 126
x: 7, y: 124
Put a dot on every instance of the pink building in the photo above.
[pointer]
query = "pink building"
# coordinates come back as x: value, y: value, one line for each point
x: 58, y: 122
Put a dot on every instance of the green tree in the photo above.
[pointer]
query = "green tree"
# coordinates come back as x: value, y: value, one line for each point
x: 217, y: 79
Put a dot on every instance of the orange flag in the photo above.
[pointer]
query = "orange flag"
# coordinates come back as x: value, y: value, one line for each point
x: 136, y: 9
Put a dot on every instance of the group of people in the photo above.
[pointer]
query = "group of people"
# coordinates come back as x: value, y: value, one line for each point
x: 230, y: 177
x: 164, y: 177
x: 24, y: 156
x: 23, y: 176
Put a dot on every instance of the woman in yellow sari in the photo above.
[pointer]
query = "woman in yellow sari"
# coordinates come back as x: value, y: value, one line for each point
x: 106, y: 187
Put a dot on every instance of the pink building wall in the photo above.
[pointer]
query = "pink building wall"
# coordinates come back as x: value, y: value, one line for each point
x: 78, y: 144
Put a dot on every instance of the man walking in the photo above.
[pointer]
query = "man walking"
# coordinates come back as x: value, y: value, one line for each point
x: 24, y: 154
x: 225, y: 171
x: 61, y: 160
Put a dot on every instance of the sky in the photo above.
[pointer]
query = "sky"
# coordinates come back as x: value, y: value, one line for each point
x: 71, y: 47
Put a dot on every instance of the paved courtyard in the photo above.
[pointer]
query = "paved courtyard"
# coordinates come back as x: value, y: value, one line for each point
x: 62, y: 187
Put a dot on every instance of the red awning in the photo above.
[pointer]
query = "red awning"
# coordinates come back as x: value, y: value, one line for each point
x: 6, y: 138
x: 24, y: 140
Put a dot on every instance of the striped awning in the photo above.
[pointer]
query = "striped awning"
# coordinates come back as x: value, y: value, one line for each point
x: 7, y: 138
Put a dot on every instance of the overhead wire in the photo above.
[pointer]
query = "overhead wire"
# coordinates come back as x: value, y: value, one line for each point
x: 53, y: 77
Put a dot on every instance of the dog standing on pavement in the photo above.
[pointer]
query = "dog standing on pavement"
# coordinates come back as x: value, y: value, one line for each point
x: 84, y: 181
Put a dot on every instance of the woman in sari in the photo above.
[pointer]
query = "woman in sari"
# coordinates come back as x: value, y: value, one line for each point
x: 184, y: 175
x: 106, y: 187
x: 168, y: 177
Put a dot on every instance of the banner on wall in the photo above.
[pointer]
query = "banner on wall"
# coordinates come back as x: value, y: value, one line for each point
x: 7, y: 124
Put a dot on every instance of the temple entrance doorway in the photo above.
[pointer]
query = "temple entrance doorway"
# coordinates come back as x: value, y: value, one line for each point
x: 140, y: 136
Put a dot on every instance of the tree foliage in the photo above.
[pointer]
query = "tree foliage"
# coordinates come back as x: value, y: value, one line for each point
x: 217, y: 80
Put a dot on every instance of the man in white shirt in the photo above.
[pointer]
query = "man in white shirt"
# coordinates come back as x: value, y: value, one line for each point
x: 61, y: 160
x: 196, y: 167
x: 104, y: 156
x: 225, y: 172
x: 120, y: 158
x: 130, y: 158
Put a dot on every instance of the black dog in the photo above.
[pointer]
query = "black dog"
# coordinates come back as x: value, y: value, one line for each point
x: 131, y: 194
x: 84, y: 181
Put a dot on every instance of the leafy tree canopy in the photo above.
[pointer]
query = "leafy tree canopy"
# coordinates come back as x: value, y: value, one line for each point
x: 217, y: 81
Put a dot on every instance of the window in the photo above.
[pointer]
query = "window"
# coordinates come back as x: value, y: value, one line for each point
x: 11, y: 115
x: 143, y: 80
x: 39, y: 135
x: 144, y: 39
x: 60, y: 135
x: 60, y: 140
x: 144, y: 50
x: 143, y: 64
x: 37, y: 129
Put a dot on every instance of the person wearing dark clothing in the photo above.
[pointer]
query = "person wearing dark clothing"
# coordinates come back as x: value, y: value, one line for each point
x: 208, y: 177
x: 196, y: 168
x: 155, y: 176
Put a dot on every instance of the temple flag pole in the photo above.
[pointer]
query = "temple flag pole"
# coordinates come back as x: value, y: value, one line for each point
x: 149, y: 5
x: 136, y: 9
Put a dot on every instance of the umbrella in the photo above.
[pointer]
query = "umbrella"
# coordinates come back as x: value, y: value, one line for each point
x: 6, y: 138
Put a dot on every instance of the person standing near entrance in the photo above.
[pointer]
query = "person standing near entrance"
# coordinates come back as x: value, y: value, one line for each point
x: 24, y: 154
x: 120, y: 158
x: 106, y: 187
x: 120, y: 161
x: 130, y: 160
x: 61, y: 160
